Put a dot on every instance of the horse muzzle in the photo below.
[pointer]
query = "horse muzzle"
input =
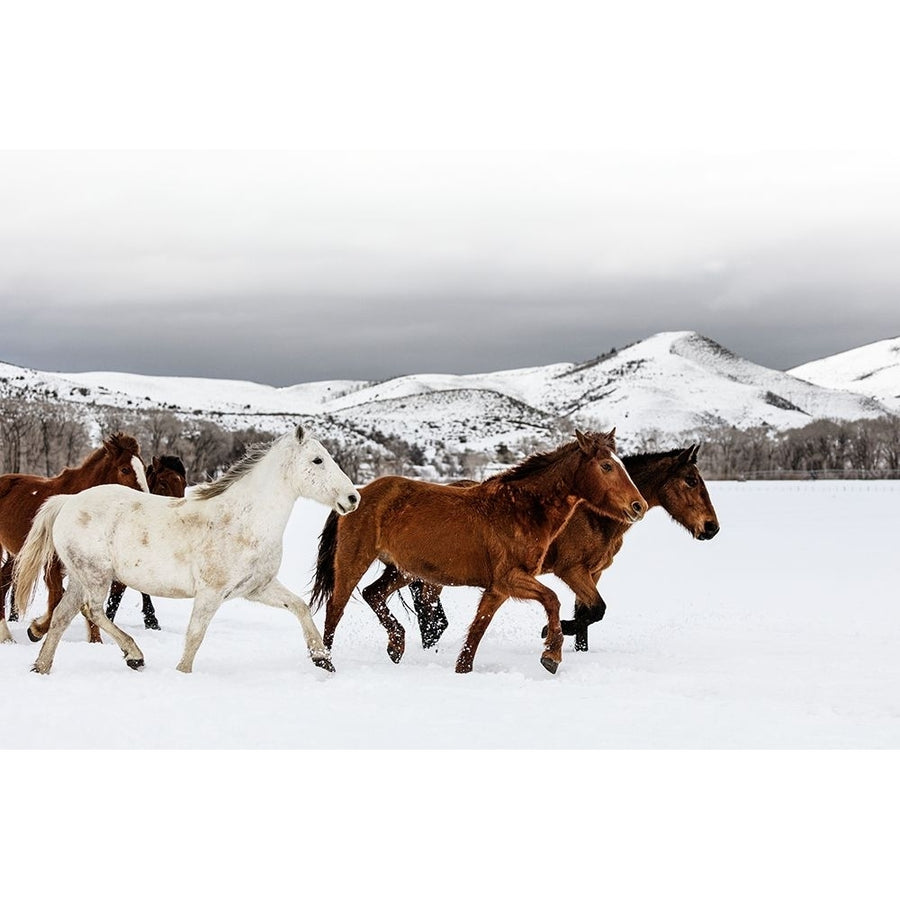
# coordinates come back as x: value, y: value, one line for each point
x: 636, y: 512
x: 710, y: 530
x: 347, y: 504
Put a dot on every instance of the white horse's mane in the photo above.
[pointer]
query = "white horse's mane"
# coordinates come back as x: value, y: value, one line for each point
x: 242, y: 467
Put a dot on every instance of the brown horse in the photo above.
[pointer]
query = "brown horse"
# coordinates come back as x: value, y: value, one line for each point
x: 492, y: 535
x: 586, y: 546
x: 167, y: 477
x: 116, y: 461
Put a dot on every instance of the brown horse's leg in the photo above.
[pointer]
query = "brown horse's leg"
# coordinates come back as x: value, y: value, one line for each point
x: 526, y: 587
x: 116, y: 590
x: 346, y: 576
x: 429, y: 611
x: 5, y: 585
x: 149, y: 613
x: 5, y: 580
x: 376, y: 595
x: 491, y: 601
x: 589, y: 605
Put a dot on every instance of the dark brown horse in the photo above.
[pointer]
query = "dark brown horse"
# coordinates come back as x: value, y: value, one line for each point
x: 116, y: 461
x: 587, y: 544
x: 492, y: 535
x: 167, y: 477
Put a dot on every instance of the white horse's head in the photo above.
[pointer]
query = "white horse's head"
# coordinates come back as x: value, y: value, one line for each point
x: 319, y: 477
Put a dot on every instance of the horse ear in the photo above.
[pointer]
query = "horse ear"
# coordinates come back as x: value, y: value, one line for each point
x: 299, y: 433
x: 696, y: 450
x: 156, y: 462
x: 684, y: 458
x: 583, y: 442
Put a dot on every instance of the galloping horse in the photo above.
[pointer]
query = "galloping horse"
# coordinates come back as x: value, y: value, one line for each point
x: 167, y: 477
x: 116, y: 461
x: 222, y: 541
x: 492, y: 535
x: 587, y: 544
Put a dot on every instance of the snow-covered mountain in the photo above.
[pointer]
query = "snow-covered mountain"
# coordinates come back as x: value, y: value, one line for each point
x: 873, y: 369
x: 672, y: 385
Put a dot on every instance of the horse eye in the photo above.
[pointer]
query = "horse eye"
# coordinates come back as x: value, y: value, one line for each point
x: 126, y: 469
x: 607, y: 467
x: 318, y: 460
x: 690, y: 481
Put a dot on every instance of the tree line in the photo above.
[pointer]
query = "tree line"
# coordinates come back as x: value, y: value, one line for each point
x: 45, y: 437
x: 866, y: 448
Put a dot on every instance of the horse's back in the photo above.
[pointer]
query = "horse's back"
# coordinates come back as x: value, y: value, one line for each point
x: 436, y: 531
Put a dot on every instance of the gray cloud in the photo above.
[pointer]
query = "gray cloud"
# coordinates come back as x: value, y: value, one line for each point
x: 293, y: 267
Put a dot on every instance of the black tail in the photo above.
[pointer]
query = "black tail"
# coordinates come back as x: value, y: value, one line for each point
x: 323, y: 586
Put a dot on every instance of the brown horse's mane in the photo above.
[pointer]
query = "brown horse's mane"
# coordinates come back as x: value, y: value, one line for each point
x: 538, y: 463
x: 174, y: 463
x: 659, y: 456
x: 114, y: 444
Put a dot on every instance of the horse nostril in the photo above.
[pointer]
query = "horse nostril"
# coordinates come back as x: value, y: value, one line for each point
x: 638, y: 507
x: 711, y: 529
x: 353, y: 499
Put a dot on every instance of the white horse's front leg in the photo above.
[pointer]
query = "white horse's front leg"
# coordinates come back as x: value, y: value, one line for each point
x: 205, y: 606
x: 277, y: 595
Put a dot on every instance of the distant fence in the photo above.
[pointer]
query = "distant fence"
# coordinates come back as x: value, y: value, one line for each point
x: 817, y: 474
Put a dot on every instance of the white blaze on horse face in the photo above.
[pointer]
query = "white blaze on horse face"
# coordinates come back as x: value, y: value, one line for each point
x: 323, y: 480
x: 138, y: 467
x: 622, y: 466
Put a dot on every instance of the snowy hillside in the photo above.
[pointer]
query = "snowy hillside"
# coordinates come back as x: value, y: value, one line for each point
x: 671, y: 385
x: 873, y: 370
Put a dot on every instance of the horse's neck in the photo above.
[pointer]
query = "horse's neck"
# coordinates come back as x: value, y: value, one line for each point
x: 552, y: 492
x: 92, y: 471
x: 648, y: 478
x: 263, y: 495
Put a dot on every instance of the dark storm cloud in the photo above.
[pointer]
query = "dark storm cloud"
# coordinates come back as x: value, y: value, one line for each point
x: 288, y: 268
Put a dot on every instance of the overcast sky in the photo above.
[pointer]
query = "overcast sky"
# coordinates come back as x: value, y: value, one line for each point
x: 446, y: 198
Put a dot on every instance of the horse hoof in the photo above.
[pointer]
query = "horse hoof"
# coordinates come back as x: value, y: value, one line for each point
x: 33, y: 636
x: 551, y: 665
x: 34, y: 668
x: 324, y: 663
x: 135, y: 663
x: 395, y: 653
x: 152, y: 626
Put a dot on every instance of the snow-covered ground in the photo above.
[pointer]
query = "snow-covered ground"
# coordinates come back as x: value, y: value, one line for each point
x: 782, y: 632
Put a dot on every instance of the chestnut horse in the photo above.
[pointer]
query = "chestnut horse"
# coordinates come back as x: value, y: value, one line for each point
x: 167, y: 477
x: 116, y: 461
x: 586, y: 546
x: 492, y: 535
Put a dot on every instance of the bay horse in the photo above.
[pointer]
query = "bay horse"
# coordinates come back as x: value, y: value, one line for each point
x: 224, y: 540
x: 493, y: 535
x: 167, y: 477
x: 586, y: 546
x: 116, y: 461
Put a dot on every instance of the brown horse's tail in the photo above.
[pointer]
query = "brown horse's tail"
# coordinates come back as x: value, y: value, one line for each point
x: 323, y: 586
x: 36, y: 552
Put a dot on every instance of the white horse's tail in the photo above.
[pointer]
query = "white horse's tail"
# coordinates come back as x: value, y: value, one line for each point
x: 36, y: 552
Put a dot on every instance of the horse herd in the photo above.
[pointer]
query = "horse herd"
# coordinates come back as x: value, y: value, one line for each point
x: 109, y: 522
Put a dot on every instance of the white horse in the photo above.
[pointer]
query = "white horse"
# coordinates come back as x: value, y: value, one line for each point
x: 222, y: 541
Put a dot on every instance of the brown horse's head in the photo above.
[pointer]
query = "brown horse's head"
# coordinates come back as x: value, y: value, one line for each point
x: 684, y: 497
x: 602, y: 481
x: 166, y: 476
x: 123, y: 462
